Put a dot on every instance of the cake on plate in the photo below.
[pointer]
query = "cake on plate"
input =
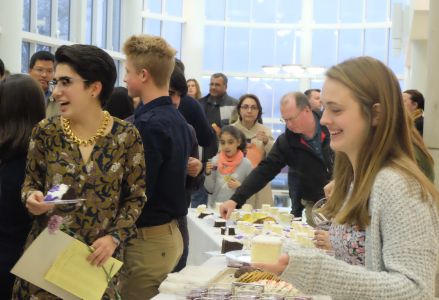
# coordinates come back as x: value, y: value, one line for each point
x: 266, y: 249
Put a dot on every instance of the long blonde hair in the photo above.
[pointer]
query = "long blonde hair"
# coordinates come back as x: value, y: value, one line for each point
x: 389, y: 143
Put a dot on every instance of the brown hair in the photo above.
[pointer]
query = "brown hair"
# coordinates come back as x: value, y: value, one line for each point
x: 389, y: 143
x: 154, y: 54
x: 197, y: 85
x: 21, y: 108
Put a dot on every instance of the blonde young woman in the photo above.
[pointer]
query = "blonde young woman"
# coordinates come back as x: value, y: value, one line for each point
x: 259, y: 141
x: 380, y: 196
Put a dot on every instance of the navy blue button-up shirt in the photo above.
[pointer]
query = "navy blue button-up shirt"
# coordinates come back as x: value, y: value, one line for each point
x: 167, y: 142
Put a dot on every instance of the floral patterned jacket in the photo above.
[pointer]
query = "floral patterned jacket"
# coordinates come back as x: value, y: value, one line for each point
x: 112, y: 180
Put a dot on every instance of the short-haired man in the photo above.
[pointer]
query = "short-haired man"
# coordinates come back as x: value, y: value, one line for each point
x: 294, y: 186
x: 304, y: 147
x: 167, y: 143
x: 220, y: 108
x: 314, y: 100
x: 42, y: 68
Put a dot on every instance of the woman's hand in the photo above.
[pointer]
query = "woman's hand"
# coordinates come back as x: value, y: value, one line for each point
x: 233, y: 184
x: 262, y: 136
x: 35, y: 204
x: 104, y: 249
x: 321, y: 240
x: 276, y: 268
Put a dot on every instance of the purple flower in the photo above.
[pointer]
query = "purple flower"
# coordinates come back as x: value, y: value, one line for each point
x: 55, y: 223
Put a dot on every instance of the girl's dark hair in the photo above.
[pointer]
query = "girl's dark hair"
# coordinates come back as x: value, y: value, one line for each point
x: 120, y: 104
x: 258, y: 103
x: 92, y: 64
x: 237, y: 134
x: 21, y: 108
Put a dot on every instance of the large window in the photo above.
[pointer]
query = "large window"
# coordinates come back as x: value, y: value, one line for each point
x: 164, y: 18
x: 47, y: 24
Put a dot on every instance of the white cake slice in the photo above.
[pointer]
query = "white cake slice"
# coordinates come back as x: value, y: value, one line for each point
x: 266, y: 249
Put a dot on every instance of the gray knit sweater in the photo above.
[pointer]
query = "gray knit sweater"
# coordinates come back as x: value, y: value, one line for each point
x: 402, y: 246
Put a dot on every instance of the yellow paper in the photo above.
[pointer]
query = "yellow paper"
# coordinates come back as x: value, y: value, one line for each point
x: 72, y: 272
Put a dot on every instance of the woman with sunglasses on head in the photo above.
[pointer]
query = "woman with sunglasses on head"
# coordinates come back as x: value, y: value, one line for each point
x: 259, y: 141
x: 100, y: 157
x: 380, y: 197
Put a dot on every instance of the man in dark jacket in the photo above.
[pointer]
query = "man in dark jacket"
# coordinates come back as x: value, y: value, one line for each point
x: 304, y: 147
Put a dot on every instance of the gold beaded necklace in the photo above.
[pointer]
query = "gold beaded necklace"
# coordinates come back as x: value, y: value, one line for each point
x: 65, y: 123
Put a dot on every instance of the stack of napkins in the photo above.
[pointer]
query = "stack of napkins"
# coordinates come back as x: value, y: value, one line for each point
x: 189, y: 278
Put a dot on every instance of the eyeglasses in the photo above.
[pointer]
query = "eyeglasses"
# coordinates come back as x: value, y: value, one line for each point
x: 40, y: 70
x: 63, y: 82
x: 247, y: 107
x: 284, y: 121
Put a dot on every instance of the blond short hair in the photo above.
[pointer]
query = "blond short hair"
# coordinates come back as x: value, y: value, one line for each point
x: 152, y: 53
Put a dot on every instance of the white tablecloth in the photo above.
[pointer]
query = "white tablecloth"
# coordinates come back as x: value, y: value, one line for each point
x: 202, y: 238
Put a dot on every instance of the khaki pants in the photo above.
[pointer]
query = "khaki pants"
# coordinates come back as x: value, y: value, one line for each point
x: 149, y: 259
x: 308, y: 212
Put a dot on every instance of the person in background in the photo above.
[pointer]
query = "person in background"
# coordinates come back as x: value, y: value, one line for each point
x: 120, y: 104
x: 167, y: 141
x: 259, y: 141
x: 294, y: 185
x: 219, y: 108
x: 195, y: 176
x: 414, y: 102
x: 304, y: 148
x: 193, y: 88
x: 42, y: 68
x: 17, y: 118
x: 2, y: 70
x: 194, y: 114
x: 314, y: 100
x: 226, y: 171
x: 98, y: 156
x: 379, y: 190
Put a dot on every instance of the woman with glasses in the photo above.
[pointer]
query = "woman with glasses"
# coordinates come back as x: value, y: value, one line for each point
x: 259, y: 141
x: 100, y: 157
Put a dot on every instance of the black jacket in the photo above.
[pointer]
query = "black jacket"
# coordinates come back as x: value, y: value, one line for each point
x: 195, y: 116
x: 291, y: 149
x: 212, y: 109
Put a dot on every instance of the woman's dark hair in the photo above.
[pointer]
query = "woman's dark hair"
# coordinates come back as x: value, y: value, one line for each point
x: 92, y: 64
x: 237, y: 134
x: 417, y: 97
x: 120, y: 104
x: 178, y: 82
x: 258, y: 103
x: 21, y: 108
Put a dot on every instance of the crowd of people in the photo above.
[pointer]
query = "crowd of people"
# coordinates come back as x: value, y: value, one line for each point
x: 133, y: 153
